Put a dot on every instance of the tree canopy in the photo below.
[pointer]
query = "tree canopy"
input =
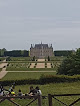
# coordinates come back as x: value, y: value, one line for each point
x: 71, y: 65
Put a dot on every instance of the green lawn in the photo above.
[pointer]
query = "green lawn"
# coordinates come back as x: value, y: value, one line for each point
x: 57, y: 58
x: 57, y: 88
x: 30, y: 69
x: 2, y: 58
x: 21, y: 58
x: 25, y: 75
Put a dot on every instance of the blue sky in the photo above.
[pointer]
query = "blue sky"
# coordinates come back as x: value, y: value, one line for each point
x: 26, y: 22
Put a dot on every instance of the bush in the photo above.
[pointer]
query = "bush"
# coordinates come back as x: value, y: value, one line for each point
x: 19, y: 82
x: 43, y: 80
x: 33, y: 58
x: 48, y: 58
x: 58, y: 79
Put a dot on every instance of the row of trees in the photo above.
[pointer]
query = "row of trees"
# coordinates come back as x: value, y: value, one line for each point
x: 14, y: 53
x: 63, y: 52
x: 71, y: 65
x: 17, y: 53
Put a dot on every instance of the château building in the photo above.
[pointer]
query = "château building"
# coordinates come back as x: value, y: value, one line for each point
x: 41, y: 50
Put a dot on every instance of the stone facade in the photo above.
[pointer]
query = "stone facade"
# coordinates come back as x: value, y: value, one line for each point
x: 41, y: 50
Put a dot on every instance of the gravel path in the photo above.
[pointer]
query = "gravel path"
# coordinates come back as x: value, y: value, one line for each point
x: 48, y: 65
x: 41, y: 60
x: 31, y: 71
x: 3, y: 64
x: 3, y: 72
x: 40, y: 65
x: 32, y: 65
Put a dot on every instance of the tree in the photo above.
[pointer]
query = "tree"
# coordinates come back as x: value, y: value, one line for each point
x: 71, y: 65
x: 48, y: 58
x: 33, y: 58
x: 8, y: 58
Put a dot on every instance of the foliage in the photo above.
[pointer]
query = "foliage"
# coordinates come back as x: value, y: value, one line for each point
x: 48, y: 58
x: 63, y: 52
x: 17, y: 53
x: 71, y: 65
x: 8, y: 58
x: 44, y: 79
x: 33, y: 58
x: 2, y: 52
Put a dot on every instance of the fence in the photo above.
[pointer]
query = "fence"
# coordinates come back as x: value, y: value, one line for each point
x: 54, y: 96
x: 39, y: 99
x: 34, y: 98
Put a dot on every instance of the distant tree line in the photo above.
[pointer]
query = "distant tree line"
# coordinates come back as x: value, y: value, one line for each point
x: 63, y: 52
x: 14, y: 53
x: 25, y: 53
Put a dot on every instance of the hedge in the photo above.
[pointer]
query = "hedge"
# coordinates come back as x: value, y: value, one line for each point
x: 43, y: 80
x: 58, y: 78
x: 19, y: 82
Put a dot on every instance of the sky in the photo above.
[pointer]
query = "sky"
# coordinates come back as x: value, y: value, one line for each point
x: 26, y: 22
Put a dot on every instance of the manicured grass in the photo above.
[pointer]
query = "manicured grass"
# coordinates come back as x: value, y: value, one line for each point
x: 21, y: 58
x: 58, y: 58
x: 2, y: 58
x: 16, y: 69
x: 25, y: 75
x: 57, y: 88
x: 30, y: 69
x: 41, y: 69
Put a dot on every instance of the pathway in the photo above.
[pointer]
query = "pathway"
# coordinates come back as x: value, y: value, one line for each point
x: 48, y: 65
x: 32, y: 65
x: 3, y: 72
x: 3, y: 64
x: 40, y: 65
x: 41, y: 60
x: 31, y: 71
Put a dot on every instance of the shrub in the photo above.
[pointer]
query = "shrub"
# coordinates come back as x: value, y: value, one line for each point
x: 43, y: 80
x: 33, y: 58
x: 45, y: 66
x: 48, y: 58
x: 58, y: 79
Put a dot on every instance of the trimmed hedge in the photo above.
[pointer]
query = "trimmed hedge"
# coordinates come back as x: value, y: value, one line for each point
x: 43, y: 80
x: 58, y: 78
x: 19, y: 82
